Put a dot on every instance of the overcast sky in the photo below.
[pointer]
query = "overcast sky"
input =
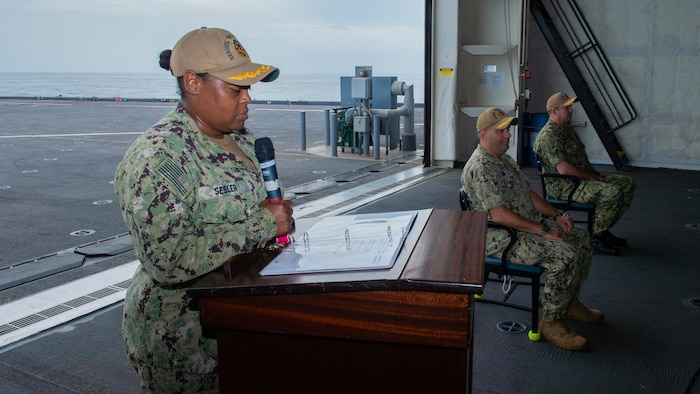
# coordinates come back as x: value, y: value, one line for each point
x: 296, y: 35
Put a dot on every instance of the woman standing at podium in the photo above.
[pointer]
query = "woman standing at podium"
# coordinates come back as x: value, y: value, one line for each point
x: 192, y: 195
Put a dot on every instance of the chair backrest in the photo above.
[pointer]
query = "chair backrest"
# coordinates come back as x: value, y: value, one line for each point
x: 542, y: 176
x: 464, y: 200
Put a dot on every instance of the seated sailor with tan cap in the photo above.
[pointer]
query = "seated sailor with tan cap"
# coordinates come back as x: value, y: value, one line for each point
x: 495, y: 184
x: 561, y: 151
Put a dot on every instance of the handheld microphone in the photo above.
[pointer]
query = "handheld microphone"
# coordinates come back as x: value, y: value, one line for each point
x: 265, y: 153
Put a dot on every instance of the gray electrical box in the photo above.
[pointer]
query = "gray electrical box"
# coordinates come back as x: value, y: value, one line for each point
x: 360, y: 124
x: 361, y: 88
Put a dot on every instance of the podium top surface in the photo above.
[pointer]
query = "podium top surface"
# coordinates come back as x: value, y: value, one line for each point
x: 443, y: 252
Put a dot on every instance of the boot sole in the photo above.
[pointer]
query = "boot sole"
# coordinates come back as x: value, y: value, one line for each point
x: 572, y: 348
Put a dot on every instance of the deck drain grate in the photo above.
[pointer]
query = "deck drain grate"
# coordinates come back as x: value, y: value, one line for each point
x: 103, y: 292
x: 512, y: 327
x: 56, y: 310
x: 122, y: 285
x: 5, y: 328
x: 27, y: 321
x: 79, y: 301
x: 695, y: 190
x: 693, y: 226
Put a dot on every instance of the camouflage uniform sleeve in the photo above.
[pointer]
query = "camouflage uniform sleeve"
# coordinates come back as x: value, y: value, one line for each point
x: 482, y: 179
x: 480, y: 183
x: 177, y: 235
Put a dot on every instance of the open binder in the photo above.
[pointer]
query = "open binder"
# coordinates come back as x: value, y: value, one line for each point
x: 345, y: 243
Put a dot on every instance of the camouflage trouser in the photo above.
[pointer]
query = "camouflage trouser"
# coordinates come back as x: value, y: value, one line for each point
x: 166, y: 380
x: 611, y: 198
x: 567, y: 263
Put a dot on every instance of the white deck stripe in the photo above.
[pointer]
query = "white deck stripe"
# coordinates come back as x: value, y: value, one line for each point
x: 60, y: 295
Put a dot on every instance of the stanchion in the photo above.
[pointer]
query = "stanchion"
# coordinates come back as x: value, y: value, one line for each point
x: 376, y: 123
x: 334, y: 134
x: 365, y: 143
x: 327, y: 124
x: 302, y: 126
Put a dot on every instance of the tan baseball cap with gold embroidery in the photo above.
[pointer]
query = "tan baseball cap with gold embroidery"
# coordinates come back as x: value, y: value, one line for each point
x: 494, y: 117
x: 560, y: 100
x: 219, y: 53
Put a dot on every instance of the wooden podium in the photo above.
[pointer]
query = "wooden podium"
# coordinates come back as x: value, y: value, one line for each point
x: 407, y: 329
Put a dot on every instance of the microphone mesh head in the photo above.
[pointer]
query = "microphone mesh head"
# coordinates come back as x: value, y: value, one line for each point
x: 263, y: 149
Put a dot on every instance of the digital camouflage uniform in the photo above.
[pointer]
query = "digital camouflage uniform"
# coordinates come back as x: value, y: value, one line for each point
x: 611, y: 197
x: 490, y: 182
x: 189, y: 206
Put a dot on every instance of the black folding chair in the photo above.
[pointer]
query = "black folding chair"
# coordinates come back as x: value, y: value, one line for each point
x: 505, y: 269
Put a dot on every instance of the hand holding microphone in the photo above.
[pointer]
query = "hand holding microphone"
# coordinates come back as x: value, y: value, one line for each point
x: 265, y: 153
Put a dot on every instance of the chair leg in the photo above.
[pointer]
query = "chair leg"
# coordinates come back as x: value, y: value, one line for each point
x: 534, y: 334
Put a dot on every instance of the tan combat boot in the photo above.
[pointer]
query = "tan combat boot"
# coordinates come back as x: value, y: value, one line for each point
x: 558, y: 333
x: 578, y: 311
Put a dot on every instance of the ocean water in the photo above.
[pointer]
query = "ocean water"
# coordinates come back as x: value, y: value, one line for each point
x: 161, y: 85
